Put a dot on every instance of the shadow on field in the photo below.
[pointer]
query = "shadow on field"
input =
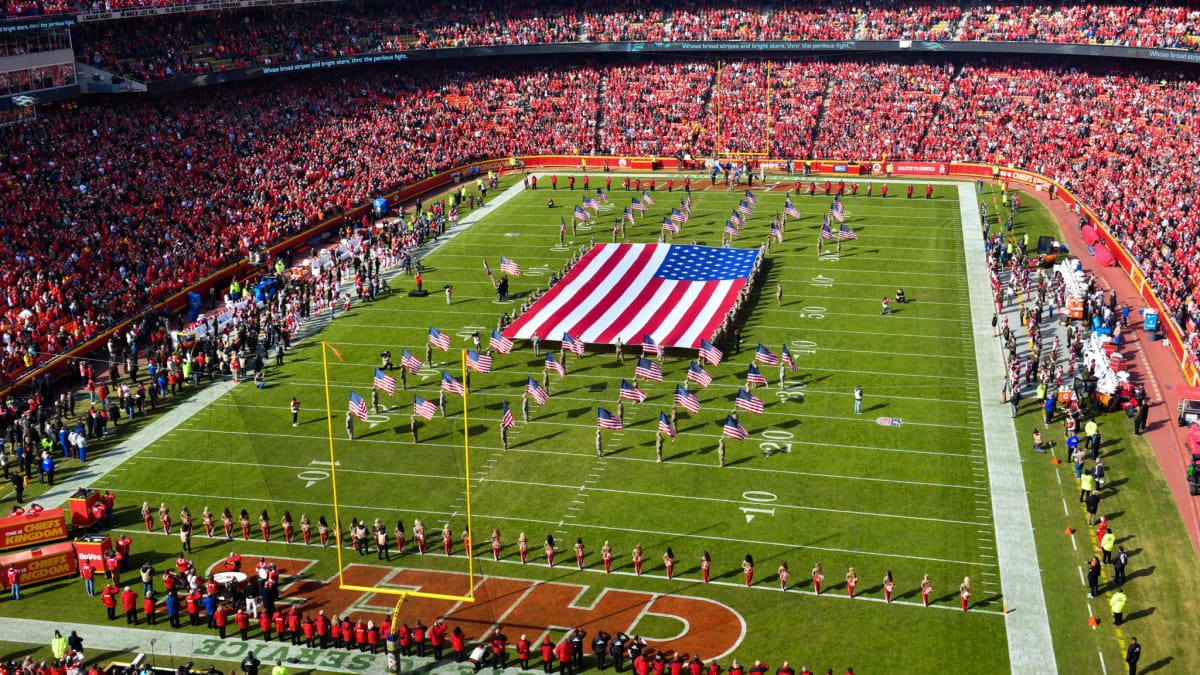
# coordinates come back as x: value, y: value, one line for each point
x: 1140, y: 614
x: 1161, y: 663
x: 1144, y: 572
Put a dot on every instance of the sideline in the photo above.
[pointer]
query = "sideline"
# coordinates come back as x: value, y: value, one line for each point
x: 1030, y: 646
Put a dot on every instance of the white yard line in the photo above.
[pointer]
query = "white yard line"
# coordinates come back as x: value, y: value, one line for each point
x: 1030, y: 646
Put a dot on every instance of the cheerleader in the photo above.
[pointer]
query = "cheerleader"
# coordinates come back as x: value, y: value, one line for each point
x: 964, y: 591
x: 637, y: 560
x: 244, y: 520
x: 447, y: 538
x: 164, y: 517
x: 606, y: 554
x: 323, y: 531
x: 466, y: 539
x: 419, y: 535
x: 523, y: 548
x: 579, y: 552
x: 705, y: 565
x: 669, y: 562
x: 783, y: 576
x: 851, y: 582
x: 227, y: 523
x: 748, y: 568
x: 888, y: 586
x: 264, y: 524
x: 550, y: 550
x: 206, y: 517
x: 305, y: 527
x: 496, y: 545
x: 147, y: 517
x: 185, y: 518
x: 401, y: 537
x: 926, y: 589
x: 817, y: 578
x: 286, y: 523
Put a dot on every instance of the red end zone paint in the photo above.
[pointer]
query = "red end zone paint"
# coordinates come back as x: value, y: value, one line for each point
x: 711, y: 629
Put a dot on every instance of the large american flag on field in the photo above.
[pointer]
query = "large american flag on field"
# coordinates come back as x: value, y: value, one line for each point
x: 385, y: 382
x: 631, y: 393
x: 686, y: 399
x: 710, y: 353
x: 424, y: 408
x: 676, y: 293
x: 696, y: 374
x: 748, y: 402
x: 790, y: 209
x: 500, y: 343
x: 439, y: 339
x: 607, y: 420
x: 411, y: 362
x: 535, y: 390
x: 845, y: 233
x: 358, y: 406
x: 451, y: 385
x: 480, y: 363
x: 733, y: 429
x: 509, y: 267
x: 648, y: 369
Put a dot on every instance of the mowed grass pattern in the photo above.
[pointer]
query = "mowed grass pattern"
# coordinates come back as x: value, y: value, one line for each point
x: 813, y: 483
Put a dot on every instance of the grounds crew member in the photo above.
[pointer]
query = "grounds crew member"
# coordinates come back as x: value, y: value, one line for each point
x: 1117, y: 604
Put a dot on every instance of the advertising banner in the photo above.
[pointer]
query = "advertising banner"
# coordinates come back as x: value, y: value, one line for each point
x: 40, y: 564
x: 32, y: 528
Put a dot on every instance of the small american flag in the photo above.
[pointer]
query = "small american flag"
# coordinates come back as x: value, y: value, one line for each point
x: 637, y: 205
x: 748, y: 402
x: 686, y: 399
x: 628, y: 215
x: 500, y: 343
x: 789, y: 209
x: 677, y: 216
x: 710, y: 353
x: 411, y: 362
x: 385, y: 382
x: 535, y: 390
x: 487, y: 268
x: 631, y: 393
x: 685, y: 205
x: 736, y: 219
x: 424, y: 408
x: 744, y: 209
x: 600, y: 195
x: 580, y: 214
x: 508, y: 421
x: 553, y: 364
x: 572, y: 345
x: 845, y: 233
x: 646, y: 198
x: 648, y: 369
x: 649, y: 346
x: 607, y: 420
x: 764, y: 355
x: 480, y: 363
x: 664, y: 425
x: 509, y: 267
x: 358, y: 406
x: 826, y: 232
x: 788, y: 360
x: 589, y: 203
x: 755, y: 376
x: 696, y: 374
x: 439, y: 339
x: 669, y: 225
x: 837, y: 211
x: 451, y: 385
x: 776, y: 232
x: 733, y: 429
x: 750, y: 199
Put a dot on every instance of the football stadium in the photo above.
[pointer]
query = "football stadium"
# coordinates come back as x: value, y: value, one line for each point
x: 680, y: 339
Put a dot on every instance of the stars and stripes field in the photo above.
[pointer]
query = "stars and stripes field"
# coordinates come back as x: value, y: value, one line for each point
x: 899, y: 487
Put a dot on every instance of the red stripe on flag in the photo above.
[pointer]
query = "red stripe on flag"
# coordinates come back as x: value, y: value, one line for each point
x: 665, y: 308
x: 715, y: 320
x: 593, y: 273
x: 606, y: 303
x: 621, y: 322
x: 692, y: 314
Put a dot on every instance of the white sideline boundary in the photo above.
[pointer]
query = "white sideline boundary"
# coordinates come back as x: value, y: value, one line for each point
x: 1030, y: 645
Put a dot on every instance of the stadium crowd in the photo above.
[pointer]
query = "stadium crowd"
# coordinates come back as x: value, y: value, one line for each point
x: 150, y: 48
x: 265, y: 161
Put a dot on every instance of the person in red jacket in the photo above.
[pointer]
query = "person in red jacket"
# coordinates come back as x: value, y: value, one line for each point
x: 695, y: 666
x: 499, y: 642
x: 713, y: 668
x: 928, y: 191
x: 322, y: 627
x: 523, y: 649
x: 735, y: 668
x: 458, y: 644
x: 88, y: 573
x: 360, y: 635
x: 563, y: 653
x: 293, y: 625
x: 404, y: 638
x: 883, y: 191
x: 280, y: 622
x: 193, y: 607
x: 242, y: 619
x: 418, y: 638
x: 129, y: 604
x: 675, y: 665
x: 335, y: 632
x: 221, y: 618
x: 310, y: 631
x: 373, y: 637
x: 910, y: 190
x: 149, y: 603
x: 548, y: 646
x: 124, y: 548
x: 264, y: 624
x: 109, y: 597
x: 437, y: 638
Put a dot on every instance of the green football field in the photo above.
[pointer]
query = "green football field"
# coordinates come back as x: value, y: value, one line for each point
x: 903, y: 487
x: 813, y: 482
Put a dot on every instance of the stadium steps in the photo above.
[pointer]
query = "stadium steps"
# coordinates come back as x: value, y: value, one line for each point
x: 937, y: 108
x: 812, y: 137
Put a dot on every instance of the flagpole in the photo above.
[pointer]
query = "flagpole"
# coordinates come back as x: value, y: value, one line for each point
x: 467, y: 469
x: 332, y: 462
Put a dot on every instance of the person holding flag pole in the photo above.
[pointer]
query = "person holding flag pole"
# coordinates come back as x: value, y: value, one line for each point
x: 487, y: 268
x: 507, y: 421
